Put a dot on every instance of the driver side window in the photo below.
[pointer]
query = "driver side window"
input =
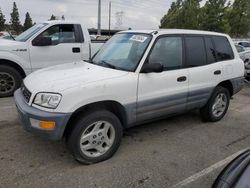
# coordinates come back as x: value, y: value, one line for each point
x: 168, y: 52
x: 60, y: 34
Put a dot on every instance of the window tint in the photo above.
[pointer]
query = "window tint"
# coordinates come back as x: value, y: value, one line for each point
x: 195, y: 51
x: 60, y: 34
x: 168, y: 52
x: 211, y: 53
x: 223, y: 47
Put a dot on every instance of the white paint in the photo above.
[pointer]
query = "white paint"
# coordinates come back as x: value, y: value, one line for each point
x: 208, y: 170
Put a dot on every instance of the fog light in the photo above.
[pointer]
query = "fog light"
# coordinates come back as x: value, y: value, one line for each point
x: 45, y: 125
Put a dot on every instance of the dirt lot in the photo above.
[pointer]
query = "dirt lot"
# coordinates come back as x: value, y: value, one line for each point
x: 180, y: 151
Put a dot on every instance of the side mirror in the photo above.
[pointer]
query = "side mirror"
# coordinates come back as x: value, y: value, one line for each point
x: 42, y: 41
x: 152, y: 67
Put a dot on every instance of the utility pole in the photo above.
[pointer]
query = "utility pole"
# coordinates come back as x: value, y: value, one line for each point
x: 99, y: 18
x: 109, y: 16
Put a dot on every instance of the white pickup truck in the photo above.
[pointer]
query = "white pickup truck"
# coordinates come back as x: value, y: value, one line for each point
x: 45, y: 44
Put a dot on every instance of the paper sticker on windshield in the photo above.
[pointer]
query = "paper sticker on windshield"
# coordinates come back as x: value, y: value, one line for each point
x: 138, y: 38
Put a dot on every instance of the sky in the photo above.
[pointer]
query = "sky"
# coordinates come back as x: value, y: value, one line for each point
x: 137, y: 14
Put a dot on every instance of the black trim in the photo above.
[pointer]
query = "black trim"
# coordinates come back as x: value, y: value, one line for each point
x: 79, y: 33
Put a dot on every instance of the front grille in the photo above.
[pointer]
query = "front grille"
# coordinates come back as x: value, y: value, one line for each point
x: 26, y: 94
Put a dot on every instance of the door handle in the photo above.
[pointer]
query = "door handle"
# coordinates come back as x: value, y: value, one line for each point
x: 182, y: 79
x: 218, y: 72
x: 76, y: 50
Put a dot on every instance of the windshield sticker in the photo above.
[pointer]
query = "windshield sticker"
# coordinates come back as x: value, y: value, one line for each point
x: 138, y: 38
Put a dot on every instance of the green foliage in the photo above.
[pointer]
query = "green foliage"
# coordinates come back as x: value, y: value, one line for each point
x: 179, y: 12
x: 28, y: 22
x: 239, y: 18
x: 2, y: 21
x: 215, y: 15
x: 14, y: 20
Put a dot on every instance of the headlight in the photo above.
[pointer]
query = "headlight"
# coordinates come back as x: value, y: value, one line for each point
x: 47, y: 100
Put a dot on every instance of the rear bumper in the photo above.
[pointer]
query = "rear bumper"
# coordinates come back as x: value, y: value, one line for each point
x: 27, y: 112
x: 238, y: 84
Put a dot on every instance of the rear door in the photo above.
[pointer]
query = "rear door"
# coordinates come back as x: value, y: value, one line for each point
x: 65, y: 48
x: 204, y: 71
x: 163, y: 93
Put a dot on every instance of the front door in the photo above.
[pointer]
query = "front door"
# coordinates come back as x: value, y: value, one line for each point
x: 165, y: 93
x: 64, y: 48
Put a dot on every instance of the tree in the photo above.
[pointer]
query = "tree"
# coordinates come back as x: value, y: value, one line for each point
x: 63, y: 17
x: 28, y: 22
x: 2, y: 21
x: 213, y: 15
x: 14, y: 20
x: 52, y: 17
x: 239, y: 18
x: 170, y: 20
x: 190, y: 14
x: 183, y: 14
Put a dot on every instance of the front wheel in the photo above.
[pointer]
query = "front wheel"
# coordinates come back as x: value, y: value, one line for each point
x: 217, y: 106
x: 10, y: 81
x: 95, y: 137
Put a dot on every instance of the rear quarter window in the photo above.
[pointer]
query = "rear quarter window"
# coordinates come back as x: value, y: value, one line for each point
x: 223, y: 48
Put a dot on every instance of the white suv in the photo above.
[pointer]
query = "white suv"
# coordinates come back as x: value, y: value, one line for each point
x: 136, y: 77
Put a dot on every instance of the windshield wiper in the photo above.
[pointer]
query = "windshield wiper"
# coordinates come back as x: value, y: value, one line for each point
x: 11, y: 35
x: 108, y: 64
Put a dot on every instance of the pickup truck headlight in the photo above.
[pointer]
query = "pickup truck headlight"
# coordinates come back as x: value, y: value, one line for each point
x: 47, y: 100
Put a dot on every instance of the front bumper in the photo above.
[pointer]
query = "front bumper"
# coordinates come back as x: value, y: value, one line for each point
x: 27, y: 112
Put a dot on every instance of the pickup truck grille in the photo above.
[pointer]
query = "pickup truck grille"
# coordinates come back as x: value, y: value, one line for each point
x: 26, y: 94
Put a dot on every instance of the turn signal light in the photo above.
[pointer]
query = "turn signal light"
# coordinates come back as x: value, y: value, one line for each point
x: 47, y: 125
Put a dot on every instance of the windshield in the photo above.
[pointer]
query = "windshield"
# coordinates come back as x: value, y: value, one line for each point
x: 123, y: 51
x: 30, y: 32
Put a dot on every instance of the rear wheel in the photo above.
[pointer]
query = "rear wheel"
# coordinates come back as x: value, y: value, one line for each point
x: 10, y: 81
x: 217, y: 105
x: 95, y: 137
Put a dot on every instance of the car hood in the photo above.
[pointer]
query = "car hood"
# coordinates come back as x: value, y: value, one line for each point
x: 10, y: 45
x: 62, y: 77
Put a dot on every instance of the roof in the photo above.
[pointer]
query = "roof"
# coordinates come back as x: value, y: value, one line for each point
x: 62, y: 21
x: 173, y: 31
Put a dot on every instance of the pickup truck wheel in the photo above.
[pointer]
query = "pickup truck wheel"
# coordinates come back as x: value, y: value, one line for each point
x: 217, y: 105
x: 95, y: 137
x: 10, y: 80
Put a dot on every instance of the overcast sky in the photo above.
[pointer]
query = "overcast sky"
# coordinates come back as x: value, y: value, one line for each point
x: 138, y: 14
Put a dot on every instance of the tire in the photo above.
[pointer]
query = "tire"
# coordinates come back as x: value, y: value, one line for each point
x: 10, y: 80
x: 83, y: 127
x: 207, y: 112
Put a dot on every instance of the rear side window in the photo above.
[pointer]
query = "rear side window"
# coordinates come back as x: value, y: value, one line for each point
x: 223, y: 48
x: 211, y: 53
x: 195, y: 51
